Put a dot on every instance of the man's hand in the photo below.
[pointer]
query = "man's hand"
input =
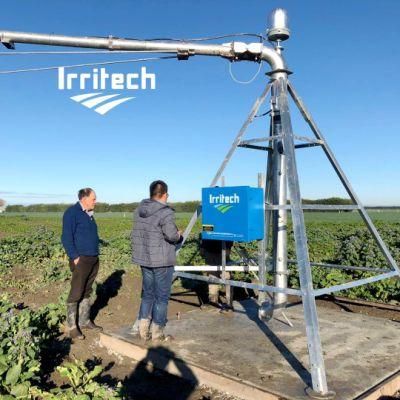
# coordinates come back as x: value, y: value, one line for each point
x: 76, y: 261
x: 180, y: 240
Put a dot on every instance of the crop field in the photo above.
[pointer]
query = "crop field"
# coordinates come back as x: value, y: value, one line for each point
x: 33, y: 239
x: 38, y: 362
x: 117, y: 223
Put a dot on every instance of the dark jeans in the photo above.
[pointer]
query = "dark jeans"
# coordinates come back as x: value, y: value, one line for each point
x: 83, y: 276
x: 156, y: 288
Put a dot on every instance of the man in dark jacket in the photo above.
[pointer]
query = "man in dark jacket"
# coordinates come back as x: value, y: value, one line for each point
x: 154, y: 238
x: 81, y: 242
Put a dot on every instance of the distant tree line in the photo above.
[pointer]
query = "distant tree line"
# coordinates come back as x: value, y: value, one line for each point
x: 330, y: 200
x: 187, y: 206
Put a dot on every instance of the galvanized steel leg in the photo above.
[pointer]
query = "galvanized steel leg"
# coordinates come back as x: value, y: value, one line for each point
x: 310, y: 311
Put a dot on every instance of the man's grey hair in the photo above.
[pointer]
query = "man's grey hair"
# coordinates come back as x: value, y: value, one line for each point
x: 85, y: 192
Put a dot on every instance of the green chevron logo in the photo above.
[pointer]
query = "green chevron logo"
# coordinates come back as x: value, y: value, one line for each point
x: 223, y: 208
x: 223, y: 202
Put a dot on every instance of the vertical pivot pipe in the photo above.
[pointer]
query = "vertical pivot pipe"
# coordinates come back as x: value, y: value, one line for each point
x: 279, y: 217
x: 262, y: 246
x: 276, y: 184
x: 276, y: 194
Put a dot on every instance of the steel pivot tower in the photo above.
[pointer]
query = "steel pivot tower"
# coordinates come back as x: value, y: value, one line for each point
x: 282, y: 181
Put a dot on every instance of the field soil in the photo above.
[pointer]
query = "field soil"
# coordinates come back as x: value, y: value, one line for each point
x: 117, y: 305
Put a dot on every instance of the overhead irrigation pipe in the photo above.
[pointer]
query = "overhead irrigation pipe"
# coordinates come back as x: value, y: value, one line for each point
x: 234, y: 51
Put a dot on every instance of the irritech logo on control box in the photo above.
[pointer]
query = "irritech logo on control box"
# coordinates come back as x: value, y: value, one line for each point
x: 224, y: 202
x: 100, y: 79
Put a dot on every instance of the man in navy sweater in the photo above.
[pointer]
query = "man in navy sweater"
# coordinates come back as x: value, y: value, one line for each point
x: 81, y: 242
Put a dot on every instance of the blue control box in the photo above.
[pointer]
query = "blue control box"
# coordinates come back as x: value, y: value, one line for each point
x: 234, y: 213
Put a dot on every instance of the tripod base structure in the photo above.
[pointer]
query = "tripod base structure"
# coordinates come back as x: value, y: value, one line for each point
x: 282, y: 194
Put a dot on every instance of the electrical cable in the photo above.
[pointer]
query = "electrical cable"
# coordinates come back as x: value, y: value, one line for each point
x: 244, y: 82
x: 263, y: 115
x: 85, y: 65
x: 263, y: 38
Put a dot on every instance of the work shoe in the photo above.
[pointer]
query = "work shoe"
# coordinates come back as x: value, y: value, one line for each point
x: 84, y: 316
x: 158, y: 334
x: 72, y: 329
x: 134, y: 331
x: 144, y: 329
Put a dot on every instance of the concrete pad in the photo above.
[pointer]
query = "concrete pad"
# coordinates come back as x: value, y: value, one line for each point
x: 251, y: 359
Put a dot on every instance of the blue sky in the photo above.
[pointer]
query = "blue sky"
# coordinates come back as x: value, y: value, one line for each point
x: 345, y: 58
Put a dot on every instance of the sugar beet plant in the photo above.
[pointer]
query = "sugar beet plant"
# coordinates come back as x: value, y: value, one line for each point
x: 31, y: 249
x: 39, y: 256
x: 347, y: 244
x: 24, y: 336
x: 354, y: 246
x: 81, y: 386
x: 42, y: 260
x: 20, y: 348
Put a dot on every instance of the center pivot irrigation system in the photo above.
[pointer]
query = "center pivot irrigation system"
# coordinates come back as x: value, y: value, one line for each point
x: 281, y: 183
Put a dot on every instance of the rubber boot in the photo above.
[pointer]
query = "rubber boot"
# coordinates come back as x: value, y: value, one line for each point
x: 84, y: 316
x: 158, y: 335
x: 72, y: 329
x: 144, y: 329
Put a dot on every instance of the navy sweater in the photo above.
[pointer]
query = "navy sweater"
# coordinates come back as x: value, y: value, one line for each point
x: 79, y: 233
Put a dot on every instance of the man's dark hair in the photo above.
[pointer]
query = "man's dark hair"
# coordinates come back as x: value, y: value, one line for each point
x: 158, y: 188
x: 84, y: 193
